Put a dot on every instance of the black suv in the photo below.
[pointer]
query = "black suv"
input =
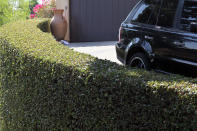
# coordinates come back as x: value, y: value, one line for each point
x: 159, y: 30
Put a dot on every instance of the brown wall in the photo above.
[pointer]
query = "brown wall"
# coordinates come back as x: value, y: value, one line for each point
x: 97, y: 20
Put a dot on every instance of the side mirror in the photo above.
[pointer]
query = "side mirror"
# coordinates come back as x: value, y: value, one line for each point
x: 193, y: 27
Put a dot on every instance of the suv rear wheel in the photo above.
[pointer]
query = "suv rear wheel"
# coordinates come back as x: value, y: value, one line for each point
x: 139, y: 60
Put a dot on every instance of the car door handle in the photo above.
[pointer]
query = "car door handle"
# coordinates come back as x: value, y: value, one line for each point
x: 179, y: 43
x: 149, y: 37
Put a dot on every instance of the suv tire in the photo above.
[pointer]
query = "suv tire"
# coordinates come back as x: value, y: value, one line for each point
x: 139, y: 60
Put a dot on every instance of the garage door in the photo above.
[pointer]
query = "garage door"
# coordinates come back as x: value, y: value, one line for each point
x: 97, y: 20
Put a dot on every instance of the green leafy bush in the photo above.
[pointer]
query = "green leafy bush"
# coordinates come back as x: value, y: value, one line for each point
x: 47, y: 86
x: 45, y: 26
x: 12, y: 10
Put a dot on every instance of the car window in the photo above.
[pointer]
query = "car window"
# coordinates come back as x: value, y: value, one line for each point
x: 145, y: 8
x: 153, y: 18
x: 167, y: 13
x: 189, y: 14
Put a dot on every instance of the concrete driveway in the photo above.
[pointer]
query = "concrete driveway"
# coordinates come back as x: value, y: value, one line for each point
x: 102, y: 50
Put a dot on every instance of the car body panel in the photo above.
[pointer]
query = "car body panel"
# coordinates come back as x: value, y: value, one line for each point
x: 157, y: 42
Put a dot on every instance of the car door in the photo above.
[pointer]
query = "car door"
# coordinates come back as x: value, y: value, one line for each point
x: 164, y: 29
x: 185, y: 46
x: 159, y: 30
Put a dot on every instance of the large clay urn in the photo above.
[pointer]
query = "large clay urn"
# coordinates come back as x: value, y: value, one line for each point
x: 58, y: 25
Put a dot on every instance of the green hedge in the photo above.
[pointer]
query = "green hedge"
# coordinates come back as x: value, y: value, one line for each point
x: 45, y: 26
x: 47, y: 86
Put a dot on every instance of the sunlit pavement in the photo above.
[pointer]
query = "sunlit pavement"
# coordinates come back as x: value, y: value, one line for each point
x: 102, y: 50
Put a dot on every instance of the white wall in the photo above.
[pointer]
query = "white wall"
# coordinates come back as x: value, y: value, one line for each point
x: 61, y: 4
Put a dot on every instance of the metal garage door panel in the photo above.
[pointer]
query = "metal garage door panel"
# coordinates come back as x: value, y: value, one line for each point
x: 97, y: 20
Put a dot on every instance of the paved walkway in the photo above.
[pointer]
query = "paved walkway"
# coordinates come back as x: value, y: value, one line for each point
x: 102, y: 50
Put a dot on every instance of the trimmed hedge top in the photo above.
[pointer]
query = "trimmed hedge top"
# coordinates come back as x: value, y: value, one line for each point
x: 47, y: 86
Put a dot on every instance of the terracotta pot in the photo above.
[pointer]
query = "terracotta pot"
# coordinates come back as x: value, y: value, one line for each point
x: 58, y: 25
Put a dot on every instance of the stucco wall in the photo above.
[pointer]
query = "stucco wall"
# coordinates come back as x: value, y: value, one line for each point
x: 60, y: 4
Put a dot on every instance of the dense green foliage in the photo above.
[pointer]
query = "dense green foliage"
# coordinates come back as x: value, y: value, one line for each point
x: 12, y: 10
x: 47, y: 86
x: 44, y: 26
